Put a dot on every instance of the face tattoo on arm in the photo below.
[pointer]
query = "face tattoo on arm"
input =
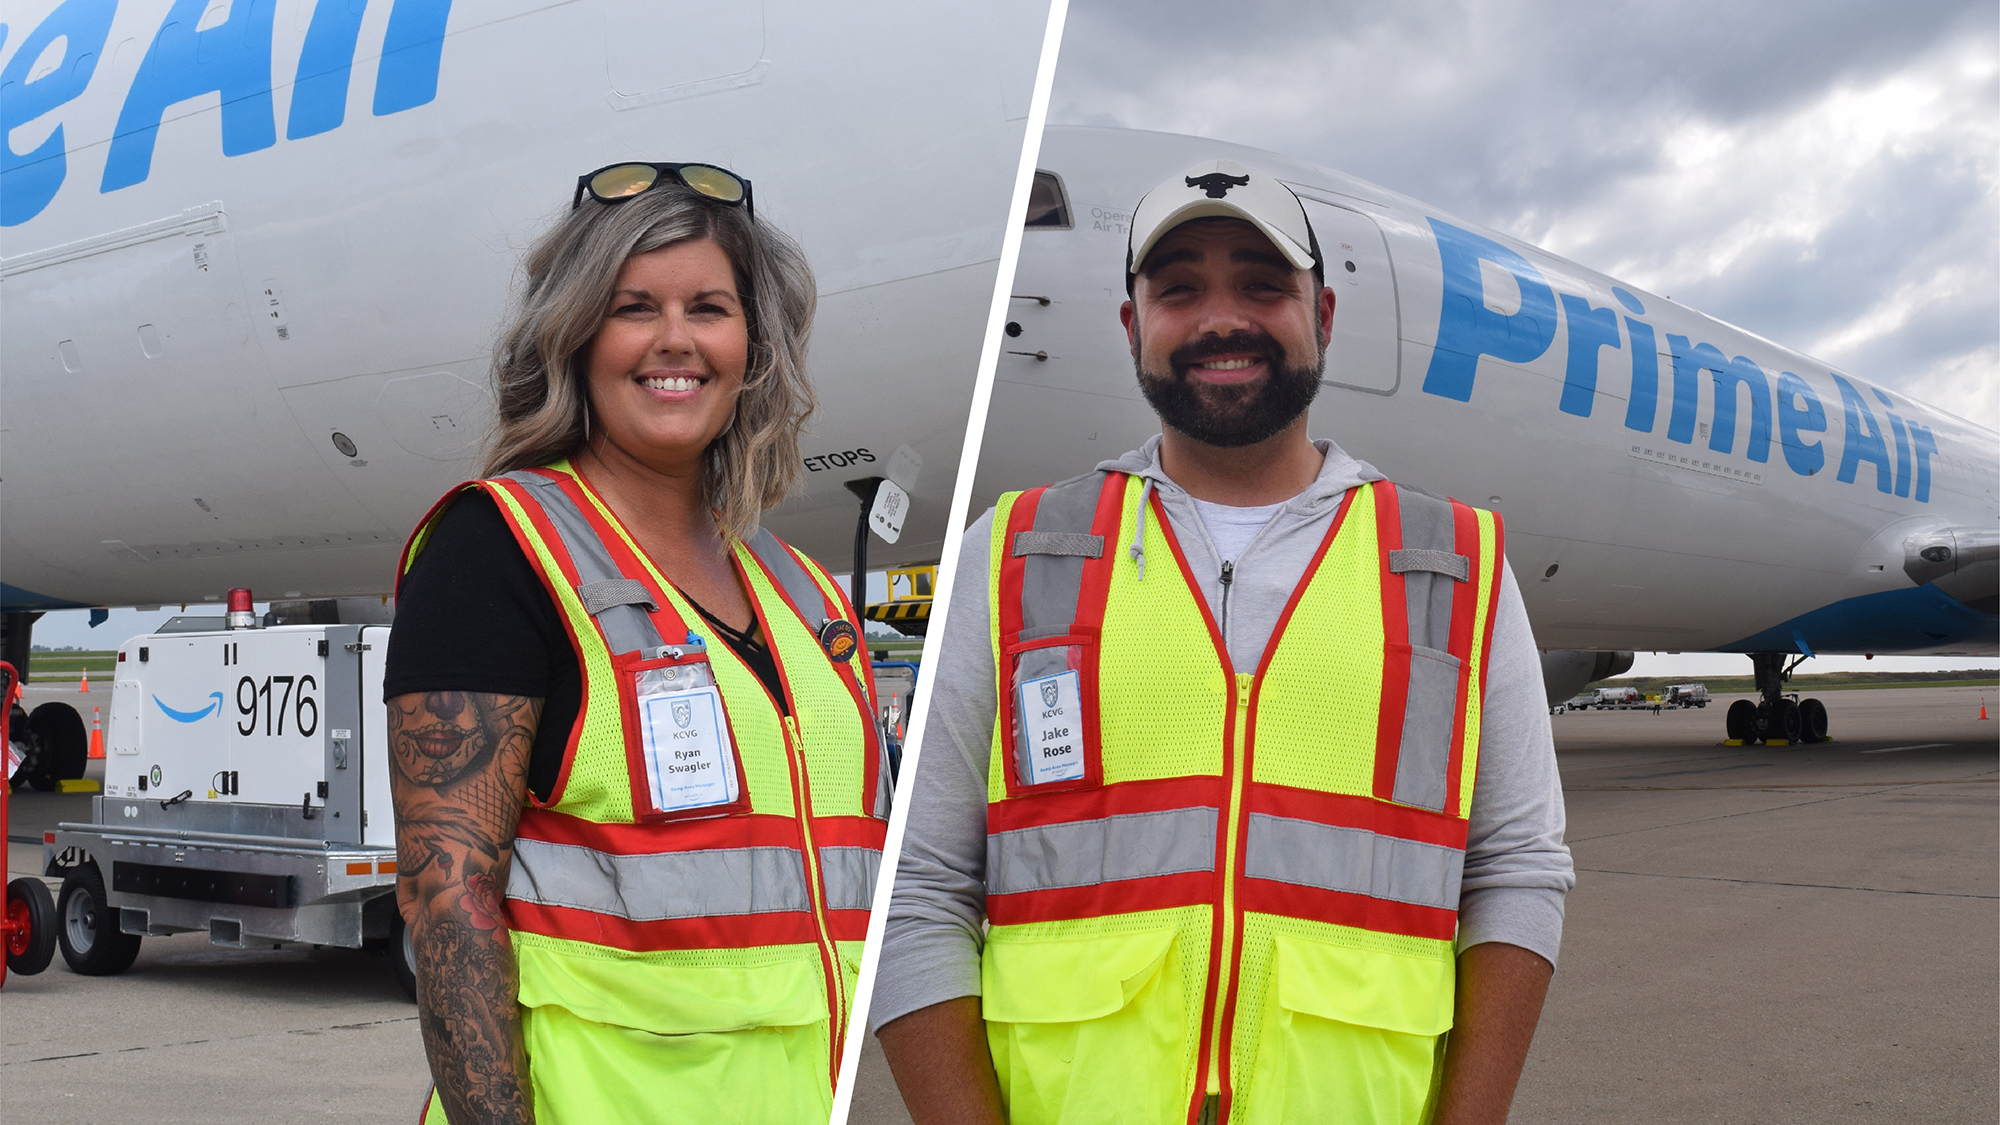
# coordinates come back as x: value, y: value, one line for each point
x: 460, y: 763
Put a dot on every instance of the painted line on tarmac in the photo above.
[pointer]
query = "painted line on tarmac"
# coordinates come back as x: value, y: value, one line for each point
x: 1917, y: 746
x: 229, y: 1039
x: 1778, y: 785
x: 1782, y: 883
x: 1713, y: 769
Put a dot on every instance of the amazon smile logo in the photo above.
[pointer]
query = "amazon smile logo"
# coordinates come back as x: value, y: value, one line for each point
x: 214, y: 708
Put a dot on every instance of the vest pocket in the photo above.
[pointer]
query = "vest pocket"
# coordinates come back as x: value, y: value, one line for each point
x: 1430, y: 715
x: 1353, y: 1035
x: 1088, y: 1029
x: 1050, y: 712
x: 680, y: 746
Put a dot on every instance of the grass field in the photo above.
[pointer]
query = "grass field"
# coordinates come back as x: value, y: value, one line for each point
x: 1822, y: 681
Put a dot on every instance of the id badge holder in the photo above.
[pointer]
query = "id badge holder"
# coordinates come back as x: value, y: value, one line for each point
x: 684, y: 759
x: 1051, y: 715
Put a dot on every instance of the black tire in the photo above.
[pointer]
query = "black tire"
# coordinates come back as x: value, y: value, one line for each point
x: 65, y: 745
x: 1786, y: 723
x: 405, y: 955
x: 31, y: 917
x: 1812, y: 720
x: 88, y: 930
x: 1741, y: 721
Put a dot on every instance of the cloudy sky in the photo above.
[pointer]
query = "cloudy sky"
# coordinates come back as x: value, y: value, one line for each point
x: 1826, y: 174
x: 1822, y: 174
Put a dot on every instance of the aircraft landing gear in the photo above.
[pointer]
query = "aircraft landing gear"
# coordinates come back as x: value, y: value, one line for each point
x: 1778, y: 715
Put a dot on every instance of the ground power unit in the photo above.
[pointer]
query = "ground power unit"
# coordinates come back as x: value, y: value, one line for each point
x: 246, y: 794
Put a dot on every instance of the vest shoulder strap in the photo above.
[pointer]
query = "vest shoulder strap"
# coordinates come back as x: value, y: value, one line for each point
x: 1438, y: 546
x: 1047, y: 550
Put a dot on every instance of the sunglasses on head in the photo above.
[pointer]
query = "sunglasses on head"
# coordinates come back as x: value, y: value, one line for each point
x: 616, y: 183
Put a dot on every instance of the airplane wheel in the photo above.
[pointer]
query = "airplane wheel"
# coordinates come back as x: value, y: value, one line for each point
x: 31, y: 927
x: 1786, y: 723
x: 405, y: 955
x: 91, y: 940
x: 1812, y: 720
x: 1741, y: 722
x: 65, y: 745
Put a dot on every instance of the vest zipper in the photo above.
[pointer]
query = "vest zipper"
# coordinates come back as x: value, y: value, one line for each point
x: 836, y: 976
x: 1227, y: 953
x: 1228, y: 576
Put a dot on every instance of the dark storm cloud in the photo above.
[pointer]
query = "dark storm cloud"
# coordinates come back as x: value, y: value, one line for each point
x: 1821, y: 174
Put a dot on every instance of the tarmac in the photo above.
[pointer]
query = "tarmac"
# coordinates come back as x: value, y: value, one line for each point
x: 1758, y: 934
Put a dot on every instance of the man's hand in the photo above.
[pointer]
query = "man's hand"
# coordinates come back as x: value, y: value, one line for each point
x: 459, y: 772
x: 1500, y: 993
x: 942, y: 1065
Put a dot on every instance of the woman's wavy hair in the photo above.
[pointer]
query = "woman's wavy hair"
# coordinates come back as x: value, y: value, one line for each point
x: 540, y: 365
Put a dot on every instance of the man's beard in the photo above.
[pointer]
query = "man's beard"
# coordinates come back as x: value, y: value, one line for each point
x: 1232, y: 415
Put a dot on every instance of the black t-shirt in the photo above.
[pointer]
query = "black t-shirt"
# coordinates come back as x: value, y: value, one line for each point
x: 472, y: 615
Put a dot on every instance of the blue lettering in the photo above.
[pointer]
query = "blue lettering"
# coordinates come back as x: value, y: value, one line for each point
x: 232, y: 58
x: 412, y: 49
x: 29, y: 180
x: 1689, y: 362
x: 1589, y: 330
x: 1467, y: 329
x: 1644, y: 405
x: 1863, y: 440
x: 319, y: 98
x: 1630, y: 302
x: 1902, y: 443
x: 1920, y: 437
x: 1793, y: 421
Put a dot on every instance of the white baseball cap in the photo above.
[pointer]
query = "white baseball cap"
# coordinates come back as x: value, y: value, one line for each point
x: 1225, y: 189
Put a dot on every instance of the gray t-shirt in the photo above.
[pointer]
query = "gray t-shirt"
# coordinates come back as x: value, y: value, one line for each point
x: 1516, y: 867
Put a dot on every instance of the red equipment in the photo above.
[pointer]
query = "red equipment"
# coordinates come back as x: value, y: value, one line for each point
x: 28, y: 927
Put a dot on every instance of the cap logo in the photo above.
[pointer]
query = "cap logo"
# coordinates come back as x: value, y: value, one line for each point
x: 1217, y: 184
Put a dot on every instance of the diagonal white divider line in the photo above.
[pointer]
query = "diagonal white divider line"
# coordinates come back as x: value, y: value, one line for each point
x: 961, y: 500
x: 1918, y: 746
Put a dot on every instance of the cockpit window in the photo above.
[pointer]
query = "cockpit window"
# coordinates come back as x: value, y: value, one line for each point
x: 1048, y: 206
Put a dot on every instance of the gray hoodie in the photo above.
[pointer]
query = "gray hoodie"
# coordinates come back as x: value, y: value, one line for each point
x: 1516, y: 867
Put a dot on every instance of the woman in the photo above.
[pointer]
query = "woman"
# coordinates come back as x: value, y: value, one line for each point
x: 639, y: 793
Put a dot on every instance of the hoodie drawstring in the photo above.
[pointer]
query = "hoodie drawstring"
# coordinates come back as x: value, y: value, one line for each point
x: 1137, y: 551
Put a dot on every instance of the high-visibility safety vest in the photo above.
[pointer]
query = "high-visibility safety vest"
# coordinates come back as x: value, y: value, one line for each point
x: 696, y: 965
x: 1211, y: 882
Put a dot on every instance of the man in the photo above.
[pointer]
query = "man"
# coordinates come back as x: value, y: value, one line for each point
x: 1196, y: 834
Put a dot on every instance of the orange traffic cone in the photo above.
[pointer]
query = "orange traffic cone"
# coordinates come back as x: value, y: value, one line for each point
x: 84, y: 687
x: 1982, y: 706
x: 96, y: 736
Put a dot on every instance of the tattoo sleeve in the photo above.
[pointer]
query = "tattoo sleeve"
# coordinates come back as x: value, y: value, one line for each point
x: 459, y: 771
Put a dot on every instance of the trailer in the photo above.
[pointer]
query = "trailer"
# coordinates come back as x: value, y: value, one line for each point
x: 246, y: 795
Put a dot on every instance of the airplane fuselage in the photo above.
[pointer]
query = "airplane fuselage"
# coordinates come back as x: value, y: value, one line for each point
x: 1668, y: 481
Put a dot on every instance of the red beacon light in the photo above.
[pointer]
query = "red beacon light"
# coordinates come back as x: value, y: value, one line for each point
x: 241, y: 613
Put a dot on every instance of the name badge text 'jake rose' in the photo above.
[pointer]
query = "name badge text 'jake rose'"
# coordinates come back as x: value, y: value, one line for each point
x: 686, y: 744
x: 1050, y: 713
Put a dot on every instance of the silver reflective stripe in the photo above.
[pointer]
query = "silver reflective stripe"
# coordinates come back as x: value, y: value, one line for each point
x: 605, y: 593
x: 1428, y: 531
x: 1430, y: 710
x: 1353, y: 860
x: 1087, y: 852
x: 792, y: 578
x: 659, y: 886
x: 849, y: 874
x: 1437, y: 562
x: 627, y: 628
x: 1050, y: 582
x: 1058, y: 543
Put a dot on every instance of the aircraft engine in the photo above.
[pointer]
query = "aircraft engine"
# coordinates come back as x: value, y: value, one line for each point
x: 1962, y: 561
x: 1566, y: 671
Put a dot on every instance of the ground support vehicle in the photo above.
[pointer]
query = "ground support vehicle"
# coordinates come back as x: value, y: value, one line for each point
x: 246, y: 795
x: 27, y: 925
